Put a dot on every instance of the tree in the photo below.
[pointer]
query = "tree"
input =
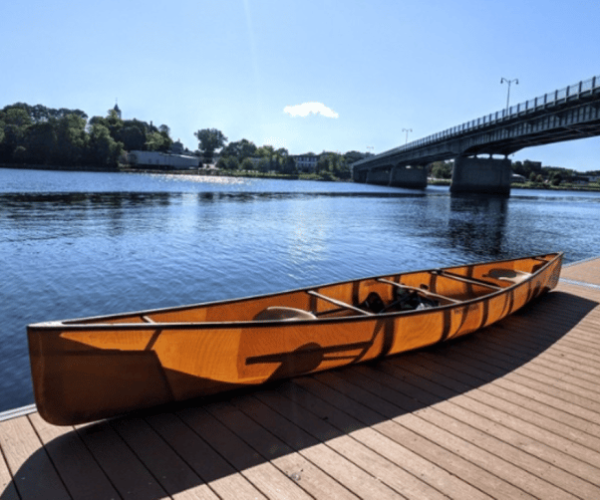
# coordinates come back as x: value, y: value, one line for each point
x: 441, y: 170
x: 71, y: 139
x: 155, y: 141
x: 247, y: 164
x: 289, y: 166
x: 40, y: 142
x: 133, y: 138
x: 241, y: 149
x: 103, y: 149
x: 209, y: 141
x: 233, y: 163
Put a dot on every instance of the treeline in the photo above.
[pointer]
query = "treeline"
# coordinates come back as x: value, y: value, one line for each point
x: 38, y: 135
x: 245, y: 155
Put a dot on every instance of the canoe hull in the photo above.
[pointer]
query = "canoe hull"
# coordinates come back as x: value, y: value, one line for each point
x: 100, y: 367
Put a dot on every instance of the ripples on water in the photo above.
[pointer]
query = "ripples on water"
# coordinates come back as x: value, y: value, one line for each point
x: 82, y: 244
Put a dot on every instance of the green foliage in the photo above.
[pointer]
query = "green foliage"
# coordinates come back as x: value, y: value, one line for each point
x: 333, y: 166
x: 133, y: 138
x: 233, y: 163
x: 240, y: 149
x: 263, y: 165
x: 222, y: 163
x: 40, y: 143
x: 103, y: 149
x: 441, y: 169
x: 209, y: 141
x: 41, y: 135
x: 247, y: 164
x: 155, y: 141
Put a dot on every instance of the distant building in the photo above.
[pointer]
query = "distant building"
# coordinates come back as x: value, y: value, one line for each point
x: 306, y: 163
x: 159, y: 160
x: 580, y: 179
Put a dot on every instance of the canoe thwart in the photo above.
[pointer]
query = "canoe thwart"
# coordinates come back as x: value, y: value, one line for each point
x: 339, y: 303
x: 465, y: 279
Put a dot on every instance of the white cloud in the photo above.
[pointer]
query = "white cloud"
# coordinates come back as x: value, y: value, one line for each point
x: 307, y: 108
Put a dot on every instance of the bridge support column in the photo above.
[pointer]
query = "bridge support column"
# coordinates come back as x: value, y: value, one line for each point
x: 380, y: 177
x: 481, y: 175
x: 412, y: 178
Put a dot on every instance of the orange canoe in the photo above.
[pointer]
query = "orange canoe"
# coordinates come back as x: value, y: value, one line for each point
x: 93, y: 368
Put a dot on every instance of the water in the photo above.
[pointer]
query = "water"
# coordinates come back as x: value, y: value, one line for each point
x: 76, y: 244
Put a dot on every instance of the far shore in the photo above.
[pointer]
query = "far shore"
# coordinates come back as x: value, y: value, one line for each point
x: 272, y: 175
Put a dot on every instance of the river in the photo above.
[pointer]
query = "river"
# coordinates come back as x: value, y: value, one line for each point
x: 76, y: 244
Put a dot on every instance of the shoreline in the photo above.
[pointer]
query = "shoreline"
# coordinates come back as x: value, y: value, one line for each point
x: 211, y: 172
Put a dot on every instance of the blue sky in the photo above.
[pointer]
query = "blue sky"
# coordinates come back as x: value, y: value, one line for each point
x: 373, y: 67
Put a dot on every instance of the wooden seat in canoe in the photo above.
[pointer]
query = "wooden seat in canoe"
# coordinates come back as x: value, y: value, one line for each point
x: 283, y: 313
x: 508, y: 275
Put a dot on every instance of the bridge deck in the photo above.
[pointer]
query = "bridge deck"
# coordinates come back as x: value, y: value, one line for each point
x: 510, y: 412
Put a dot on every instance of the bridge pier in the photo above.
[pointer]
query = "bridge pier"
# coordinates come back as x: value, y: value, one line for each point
x: 412, y: 178
x: 379, y: 177
x: 481, y: 175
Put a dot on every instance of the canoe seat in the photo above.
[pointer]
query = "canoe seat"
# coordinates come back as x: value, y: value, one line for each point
x: 275, y: 313
x: 508, y: 275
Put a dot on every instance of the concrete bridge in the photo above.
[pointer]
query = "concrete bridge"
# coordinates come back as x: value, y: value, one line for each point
x: 563, y: 115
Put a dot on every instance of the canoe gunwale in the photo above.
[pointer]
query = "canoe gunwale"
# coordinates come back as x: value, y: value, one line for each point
x: 84, y: 323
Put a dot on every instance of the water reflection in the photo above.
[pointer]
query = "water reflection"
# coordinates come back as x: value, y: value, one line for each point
x: 477, y: 223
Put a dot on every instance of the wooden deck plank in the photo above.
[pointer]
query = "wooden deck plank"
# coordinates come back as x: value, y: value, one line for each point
x: 535, y: 431
x: 8, y: 490
x: 462, y: 424
x: 355, y: 400
x: 214, y: 470
x: 578, y: 475
x: 260, y: 472
x: 77, y: 467
x: 340, y: 468
x: 336, y: 465
x: 171, y: 471
x: 555, y: 388
x: 496, y: 468
x: 435, y: 475
x: 257, y: 433
x: 34, y: 474
x: 352, y: 463
x: 529, y: 359
x: 558, y: 387
x: 538, y: 368
x: 126, y: 472
x: 582, y: 432
x: 588, y: 271
x: 543, y: 376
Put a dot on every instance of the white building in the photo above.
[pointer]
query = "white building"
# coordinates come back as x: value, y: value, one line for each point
x: 162, y: 160
x: 306, y: 163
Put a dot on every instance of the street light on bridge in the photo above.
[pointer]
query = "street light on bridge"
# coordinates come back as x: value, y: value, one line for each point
x: 407, y: 130
x: 506, y: 80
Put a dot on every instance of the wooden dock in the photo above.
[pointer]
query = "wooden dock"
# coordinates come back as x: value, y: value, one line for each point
x: 511, y: 412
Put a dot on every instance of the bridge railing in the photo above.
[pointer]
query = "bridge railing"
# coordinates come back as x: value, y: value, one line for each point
x: 584, y: 88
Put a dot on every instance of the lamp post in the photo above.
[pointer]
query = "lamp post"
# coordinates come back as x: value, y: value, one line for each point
x: 506, y: 80
x: 407, y: 130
